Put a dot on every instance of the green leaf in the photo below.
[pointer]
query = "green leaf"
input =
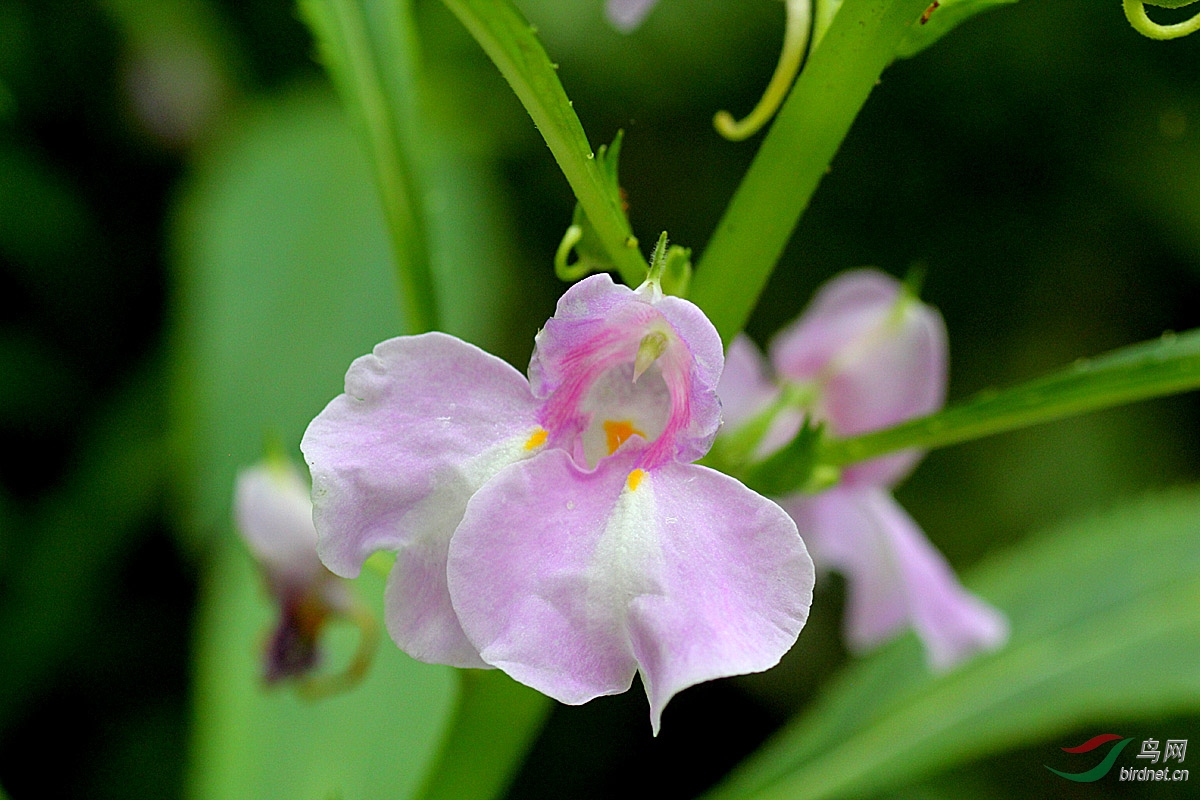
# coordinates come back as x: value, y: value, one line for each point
x: 252, y: 743
x: 512, y: 44
x: 861, y: 41
x: 284, y: 279
x: 1105, y: 628
x: 946, y: 17
x: 1163, y: 366
x: 494, y: 726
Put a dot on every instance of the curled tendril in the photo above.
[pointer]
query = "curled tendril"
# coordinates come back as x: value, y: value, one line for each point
x: 566, y: 271
x: 1135, y: 12
x: 795, y: 43
x: 318, y: 687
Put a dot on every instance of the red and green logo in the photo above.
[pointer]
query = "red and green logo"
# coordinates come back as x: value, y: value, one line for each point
x: 1100, y: 770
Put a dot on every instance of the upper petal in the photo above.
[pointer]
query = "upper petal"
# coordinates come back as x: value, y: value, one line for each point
x: 424, y: 421
x: 896, y: 578
x: 599, y: 327
x: 571, y: 581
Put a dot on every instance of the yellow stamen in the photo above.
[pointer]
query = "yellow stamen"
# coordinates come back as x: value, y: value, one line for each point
x: 537, y: 439
x: 634, y: 479
x: 795, y: 41
x: 617, y: 431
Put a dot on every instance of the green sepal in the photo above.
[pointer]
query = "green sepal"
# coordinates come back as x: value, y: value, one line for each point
x: 793, y: 467
x: 677, y: 272
x: 582, y: 238
x: 1169, y: 3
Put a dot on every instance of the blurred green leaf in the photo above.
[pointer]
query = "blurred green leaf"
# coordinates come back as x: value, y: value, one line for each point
x: 948, y: 15
x: 252, y: 743
x: 75, y: 538
x: 284, y: 279
x: 38, y: 389
x: 8, y: 103
x: 48, y: 234
x: 494, y: 726
x: 512, y: 43
x: 1105, y: 626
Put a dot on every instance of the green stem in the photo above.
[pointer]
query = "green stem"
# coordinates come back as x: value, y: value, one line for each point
x: 371, y: 52
x: 1135, y: 12
x: 861, y: 41
x: 1152, y: 369
x: 513, y: 46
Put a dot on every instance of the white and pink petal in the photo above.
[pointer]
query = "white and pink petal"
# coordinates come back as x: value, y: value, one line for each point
x: 895, y: 578
x: 424, y: 422
x: 679, y: 573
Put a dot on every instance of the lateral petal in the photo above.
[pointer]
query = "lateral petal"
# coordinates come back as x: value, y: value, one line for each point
x: 418, y: 612
x: 571, y: 581
x: 895, y: 577
x: 737, y: 584
x: 425, y: 421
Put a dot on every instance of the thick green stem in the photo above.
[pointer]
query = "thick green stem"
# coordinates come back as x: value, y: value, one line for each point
x: 1162, y: 367
x: 861, y: 41
x: 513, y: 46
x: 370, y: 49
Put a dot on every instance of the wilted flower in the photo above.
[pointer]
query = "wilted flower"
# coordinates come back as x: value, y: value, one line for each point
x: 274, y: 514
x: 557, y: 528
x: 864, y: 356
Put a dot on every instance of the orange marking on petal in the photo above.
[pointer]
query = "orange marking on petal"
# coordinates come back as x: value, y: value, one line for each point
x: 617, y: 432
x: 537, y: 439
x: 635, y: 478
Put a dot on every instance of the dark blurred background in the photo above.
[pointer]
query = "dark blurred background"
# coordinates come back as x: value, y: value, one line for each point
x: 1042, y: 162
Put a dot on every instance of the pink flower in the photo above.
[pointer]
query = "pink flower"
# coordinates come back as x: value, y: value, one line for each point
x: 556, y: 528
x: 864, y: 356
x: 273, y: 512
